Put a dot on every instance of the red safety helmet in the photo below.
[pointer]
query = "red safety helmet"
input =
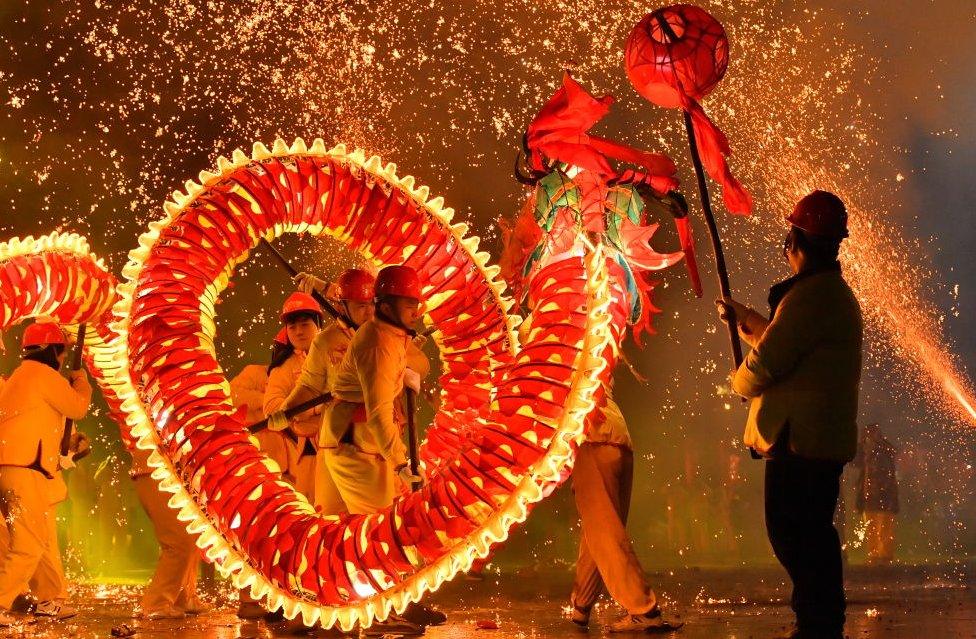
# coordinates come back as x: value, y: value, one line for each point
x: 43, y: 334
x: 300, y: 303
x: 821, y: 214
x: 398, y: 280
x: 282, y: 336
x: 356, y: 285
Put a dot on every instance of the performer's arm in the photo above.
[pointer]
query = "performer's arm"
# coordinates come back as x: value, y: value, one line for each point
x: 314, y: 379
x: 379, y: 371
x: 752, y: 326
x: 69, y: 399
x: 794, y: 332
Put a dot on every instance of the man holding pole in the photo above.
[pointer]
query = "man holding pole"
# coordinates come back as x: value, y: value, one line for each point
x: 803, y: 376
x: 34, y: 404
x: 361, y: 436
x: 361, y: 444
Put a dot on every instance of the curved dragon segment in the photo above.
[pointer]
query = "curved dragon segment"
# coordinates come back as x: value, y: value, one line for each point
x: 54, y: 276
x: 510, y: 418
x: 511, y: 415
x: 489, y: 459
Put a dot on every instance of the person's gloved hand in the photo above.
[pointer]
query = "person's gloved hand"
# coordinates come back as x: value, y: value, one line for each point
x: 78, y: 377
x: 79, y: 445
x: 723, y: 305
x: 408, y: 478
x: 278, y: 422
x: 65, y: 462
x: 411, y: 379
x: 306, y: 283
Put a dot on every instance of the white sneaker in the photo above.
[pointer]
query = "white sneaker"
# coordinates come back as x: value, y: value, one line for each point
x: 55, y: 609
x: 649, y: 622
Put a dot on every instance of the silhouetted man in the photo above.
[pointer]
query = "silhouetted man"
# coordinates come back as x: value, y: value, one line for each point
x: 802, y: 376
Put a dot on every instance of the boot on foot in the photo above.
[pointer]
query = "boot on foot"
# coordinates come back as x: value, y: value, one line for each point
x: 424, y: 616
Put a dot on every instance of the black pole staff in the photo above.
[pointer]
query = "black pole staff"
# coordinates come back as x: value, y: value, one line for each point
x: 321, y: 299
x: 75, y: 365
x: 323, y: 302
x: 720, y: 267
x: 257, y: 427
x: 412, y: 434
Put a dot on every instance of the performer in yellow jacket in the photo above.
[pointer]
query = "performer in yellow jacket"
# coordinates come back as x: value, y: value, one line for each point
x: 48, y: 586
x: 361, y: 436
x: 292, y: 443
x: 247, y: 390
x: 34, y: 404
x: 803, y: 376
x: 361, y: 439
x: 248, y: 386
x: 355, y: 292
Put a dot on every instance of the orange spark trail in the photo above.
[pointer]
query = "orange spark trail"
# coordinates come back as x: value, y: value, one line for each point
x: 883, y: 271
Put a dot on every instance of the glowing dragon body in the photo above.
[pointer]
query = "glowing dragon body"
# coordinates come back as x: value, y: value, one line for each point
x: 510, y: 414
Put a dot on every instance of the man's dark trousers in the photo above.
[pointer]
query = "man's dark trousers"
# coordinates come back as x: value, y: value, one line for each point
x: 801, y: 496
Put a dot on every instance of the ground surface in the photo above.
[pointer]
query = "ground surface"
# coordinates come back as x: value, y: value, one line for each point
x: 893, y: 603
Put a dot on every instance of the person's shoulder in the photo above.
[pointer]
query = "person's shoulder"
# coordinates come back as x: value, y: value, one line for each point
x: 250, y: 372
x: 829, y: 292
x: 833, y: 287
x: 286, y: 368
x: 295, y: 362
x: 821, y: 285
x: 35, y: 370
x: 331, y: 335
x: 366, y: 333
x: 377, y: 334
x: 373, y: 326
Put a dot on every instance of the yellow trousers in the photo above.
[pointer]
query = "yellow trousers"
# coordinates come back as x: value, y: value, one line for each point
x: 363, y: 481
x: 296, y: 468
x: 48, y: 581
x: 25, y: 502
x: 602, y: 481
x: 175, y: 581
x: 327, y: 499
x: 880, y: 536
